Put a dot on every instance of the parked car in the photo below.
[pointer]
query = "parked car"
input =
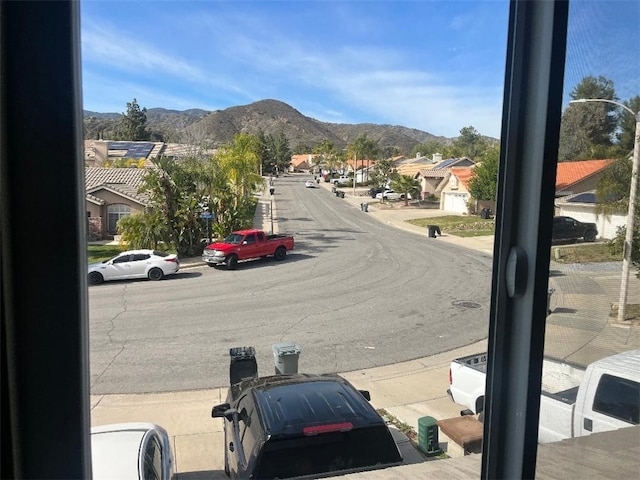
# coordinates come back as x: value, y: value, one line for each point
x: 310, y: 184
x: 151, y: 264
x: 574, y: 402
x: 567, y: 228
x: 131, y: 450
x: 391, y: 195
x: 297, y: 425
x: 342, y: 179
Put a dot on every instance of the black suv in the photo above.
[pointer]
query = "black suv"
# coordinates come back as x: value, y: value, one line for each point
x: 567, y: 228
x: 299, y: 426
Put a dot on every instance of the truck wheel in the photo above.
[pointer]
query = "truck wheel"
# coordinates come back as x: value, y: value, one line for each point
x: 232, y: 262
x: 280, y: 254
x: 590, y: 236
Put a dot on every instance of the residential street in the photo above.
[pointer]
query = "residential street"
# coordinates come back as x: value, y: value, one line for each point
x: 355, y: 293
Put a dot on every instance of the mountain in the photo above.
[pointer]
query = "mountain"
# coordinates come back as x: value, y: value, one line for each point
x: 269, y: 116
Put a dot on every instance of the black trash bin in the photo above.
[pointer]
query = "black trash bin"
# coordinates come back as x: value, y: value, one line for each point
x: 433, y: 230
x: 242, y: 364
x: 271, y: 190
x: 485, y: 213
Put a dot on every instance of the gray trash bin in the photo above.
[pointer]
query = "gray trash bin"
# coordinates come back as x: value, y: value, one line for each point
x: 285, y: 357
x: 365, y: 207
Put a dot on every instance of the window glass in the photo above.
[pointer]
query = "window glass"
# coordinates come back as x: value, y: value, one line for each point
x: 250, y: 239
x: 122, y: 259
x: 618, y: 397
x: 140, y: 256
x: 114, y: 214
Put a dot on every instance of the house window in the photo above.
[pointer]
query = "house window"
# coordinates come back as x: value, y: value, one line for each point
x: 114, y: 214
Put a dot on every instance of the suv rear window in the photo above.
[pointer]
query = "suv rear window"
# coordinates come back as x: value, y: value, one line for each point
x: 328, y: 452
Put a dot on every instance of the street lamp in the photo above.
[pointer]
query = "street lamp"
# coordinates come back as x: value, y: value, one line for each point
x: 628, y: 241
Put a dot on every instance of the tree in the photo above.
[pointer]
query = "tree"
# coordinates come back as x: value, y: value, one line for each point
x: 470, y: 143
x: 326, y: 152
x: 383, y: 172
x: 627, y: 133
x: 133, y: 124
x: 241, y: 160
x: 484, y: 177
x: 363, y: 148
x: 588, y: 129
x: 406, y: 184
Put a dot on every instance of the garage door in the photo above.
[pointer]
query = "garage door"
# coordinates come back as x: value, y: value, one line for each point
x: 455, y: 202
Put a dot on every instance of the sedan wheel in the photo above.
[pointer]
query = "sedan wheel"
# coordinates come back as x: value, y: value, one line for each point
x: 155, y: 274
x: 95, y: 278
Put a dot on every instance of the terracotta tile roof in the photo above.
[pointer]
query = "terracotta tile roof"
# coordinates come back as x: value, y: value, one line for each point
x: 123, y: 181
x: 410, y: 168
x: 433, y: 173
x: 463, y: 174
x: 297, y: 160
x: 569, y: 173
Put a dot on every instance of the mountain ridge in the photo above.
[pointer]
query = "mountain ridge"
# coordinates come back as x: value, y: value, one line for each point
x: 268, y: 116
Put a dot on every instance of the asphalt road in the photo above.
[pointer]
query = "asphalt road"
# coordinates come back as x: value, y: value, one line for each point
x: 354, y: 294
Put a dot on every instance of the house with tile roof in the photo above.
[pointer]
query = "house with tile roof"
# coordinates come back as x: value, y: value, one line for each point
x: 455, y: 196
x: 110, y: 194
x: 579, y: 176
x: 302, y: 162
x: 575, y: 195
x: 434, y: 177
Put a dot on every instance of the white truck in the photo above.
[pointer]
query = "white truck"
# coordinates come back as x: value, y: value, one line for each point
x: 575, y: 401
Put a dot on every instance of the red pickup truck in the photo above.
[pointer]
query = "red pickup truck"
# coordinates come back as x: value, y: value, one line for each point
x: 245, y: 245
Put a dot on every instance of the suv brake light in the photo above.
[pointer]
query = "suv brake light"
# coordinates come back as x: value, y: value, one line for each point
x: 331, y: 427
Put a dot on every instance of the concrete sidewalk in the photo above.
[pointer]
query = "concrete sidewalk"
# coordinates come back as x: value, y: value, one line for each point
x: 408, y: 390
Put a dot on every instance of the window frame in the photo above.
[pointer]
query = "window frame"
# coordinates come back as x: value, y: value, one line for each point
x: 51, y: 403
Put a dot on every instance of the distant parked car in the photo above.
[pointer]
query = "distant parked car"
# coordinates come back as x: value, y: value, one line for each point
x: 341, y: 179
x: 310, y: 184
x: 391, y: 195
x: 151, y: 264
x: 131, y: 450
x: 567, y: 228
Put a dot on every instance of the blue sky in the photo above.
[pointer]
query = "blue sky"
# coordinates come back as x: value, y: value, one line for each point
x: 433, y: 65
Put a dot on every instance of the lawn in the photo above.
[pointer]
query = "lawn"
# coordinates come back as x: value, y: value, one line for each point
x: 98, y: 253
x: 583, y: 253
x: 461, y: 226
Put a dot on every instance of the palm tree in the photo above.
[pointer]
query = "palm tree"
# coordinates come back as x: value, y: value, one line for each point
x: 406, y: 184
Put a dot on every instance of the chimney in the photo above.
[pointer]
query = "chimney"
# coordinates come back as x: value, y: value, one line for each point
x: 437, y: 157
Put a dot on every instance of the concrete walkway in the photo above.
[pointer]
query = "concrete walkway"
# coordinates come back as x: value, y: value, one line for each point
x: 577, y: 329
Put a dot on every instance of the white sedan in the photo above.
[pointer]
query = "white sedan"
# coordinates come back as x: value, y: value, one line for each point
x: 131, y: 450
x: 151, y: 264
x: 390, y: 195
x: 310, y: 184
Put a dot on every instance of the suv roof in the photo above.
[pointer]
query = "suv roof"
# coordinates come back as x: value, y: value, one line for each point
x: 291, y: 404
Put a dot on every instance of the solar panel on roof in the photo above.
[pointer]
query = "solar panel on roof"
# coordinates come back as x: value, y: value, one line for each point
x: 446, y: 163
x: 133, y: 149
x: 587, y: 197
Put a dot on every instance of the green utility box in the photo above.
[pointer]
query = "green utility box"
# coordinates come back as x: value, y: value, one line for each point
x: 428, y: 436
